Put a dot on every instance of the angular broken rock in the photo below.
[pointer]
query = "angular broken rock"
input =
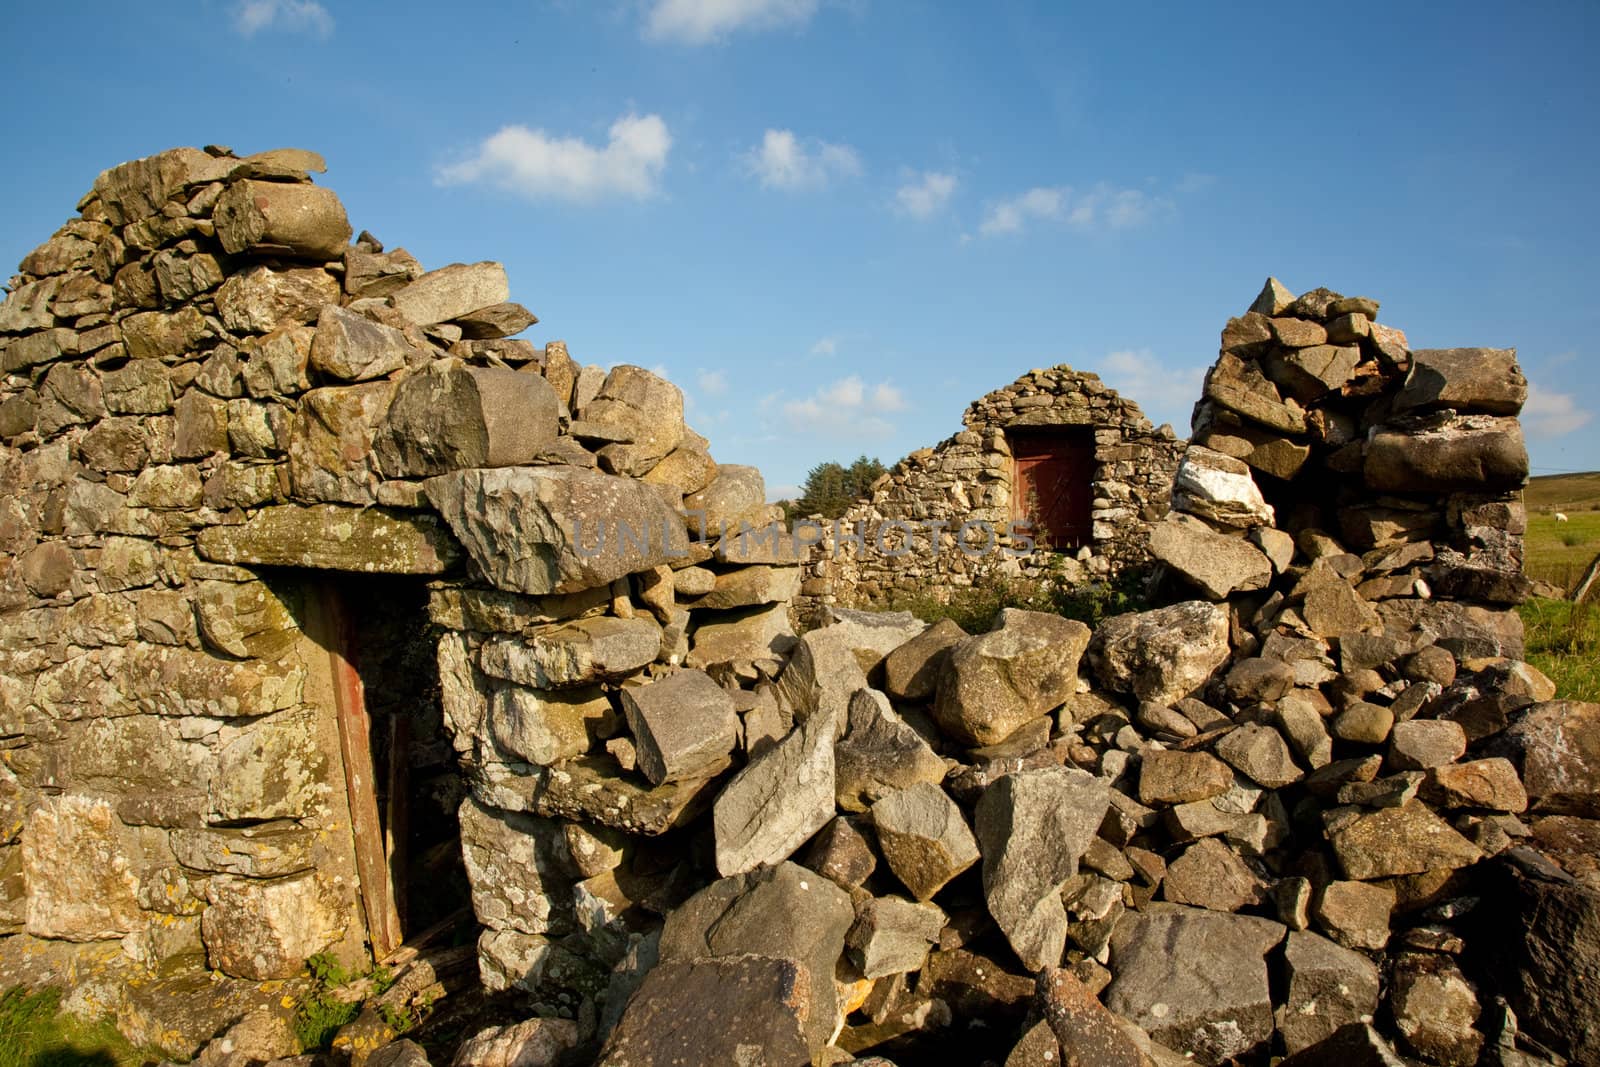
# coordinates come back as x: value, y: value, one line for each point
x: 1259, y: 752
x: 330, y: 537
x: 353, y: 348
x: 1194, y: 980
x: 1435, y: 1009
x: 545, y: 530
x: 784, y: 911
x: 842, y: 853
x: 1172, y: 777
x: 1334, y: 608
x: 495, y: 321
x: 648, y: 409
x: 1209, y: 874
x: 577, y: 653
x: 923, y: 838
x: 1032, y: 829
x: 879, y: 753
x: 1485, y: 783
x: 715, y: 1011
x: 684, y: 726
x: 1086, y: 1032
x: 1557, y: 744
x: 1240, y: 387
x: 737, y: 494
x: 1329, y: 987
x: 1422, y: 744
x: 1484, y: 380
x: 1309, y: 373
x: 892, y: 936
x: 260, y: 299
x: 1162, y: 655
x: 749, y: 586
x: 1220, y: 488
x: 1480, y: 453
x: 780, y: 799
x: 285, y: 218
x: 450, y: 292
x: 1405, y: 840
x: 821, y: 677
x: 911, y: 672
x: 1024, y: 667
x: 536, y: 1042
x: 449, y: 416
x: 1215, y: 564
x: 741, y: 638
x: 545, y: 727
x: 1355, y: 914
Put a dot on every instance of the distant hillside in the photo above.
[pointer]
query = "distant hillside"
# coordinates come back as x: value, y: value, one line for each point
x: 1564, y: 492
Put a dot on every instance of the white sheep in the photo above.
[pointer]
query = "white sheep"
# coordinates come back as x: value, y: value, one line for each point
x: 1560, y: 517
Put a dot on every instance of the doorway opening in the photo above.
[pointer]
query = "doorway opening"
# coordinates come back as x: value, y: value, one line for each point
x: 1053, y: 474
x: 404, y: 800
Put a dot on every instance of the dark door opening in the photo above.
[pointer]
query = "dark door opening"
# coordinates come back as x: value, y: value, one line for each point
x: 1052, y: 484
x: 392, y: 645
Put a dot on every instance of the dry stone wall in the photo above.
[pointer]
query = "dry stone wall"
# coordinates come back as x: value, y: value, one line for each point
x: 213, y: 406
x: 910, y: 528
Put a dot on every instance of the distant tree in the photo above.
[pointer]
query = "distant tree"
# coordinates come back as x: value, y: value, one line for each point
x: 830, y: 488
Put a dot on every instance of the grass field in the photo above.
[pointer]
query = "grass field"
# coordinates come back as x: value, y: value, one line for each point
x: 1563, y: 639
x: 1563, y: 492
x: 1558, y: 552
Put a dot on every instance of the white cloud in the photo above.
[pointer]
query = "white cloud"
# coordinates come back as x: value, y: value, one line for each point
x: 825, y: 346
x: 783, y: 162
x: 295, y: 16
x: 925, y: 198
x: 711, y: 382
x: 536, y: 165
x: 1548, y: 414
x: 846, y: 408
x: 705, y: 21
x: 1163, y: 393
x: 1103, y: 207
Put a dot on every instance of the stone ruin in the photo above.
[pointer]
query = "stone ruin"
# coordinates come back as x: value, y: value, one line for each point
x: 303, y: 641
x: 1055, y: 457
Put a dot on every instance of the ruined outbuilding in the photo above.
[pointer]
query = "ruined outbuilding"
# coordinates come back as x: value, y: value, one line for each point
x: 329, y: 610
x: 1054, y: 474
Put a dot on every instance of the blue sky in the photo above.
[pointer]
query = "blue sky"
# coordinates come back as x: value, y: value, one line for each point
x: 836, y: 222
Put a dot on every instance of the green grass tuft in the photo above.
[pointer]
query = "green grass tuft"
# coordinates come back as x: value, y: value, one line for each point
x: 974, y: 607
x: 34, y: 1032
x: 1563, y: 641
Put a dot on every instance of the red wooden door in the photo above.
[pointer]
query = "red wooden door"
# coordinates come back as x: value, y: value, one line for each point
x: 1053, y: 485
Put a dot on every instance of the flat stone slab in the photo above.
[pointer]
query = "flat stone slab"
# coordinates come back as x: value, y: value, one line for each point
x: 591, y: 790
x: 334, y: 538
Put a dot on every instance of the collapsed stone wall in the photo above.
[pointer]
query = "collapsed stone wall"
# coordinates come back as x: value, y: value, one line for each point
x: 970, y: 477
x: 217, y: 413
